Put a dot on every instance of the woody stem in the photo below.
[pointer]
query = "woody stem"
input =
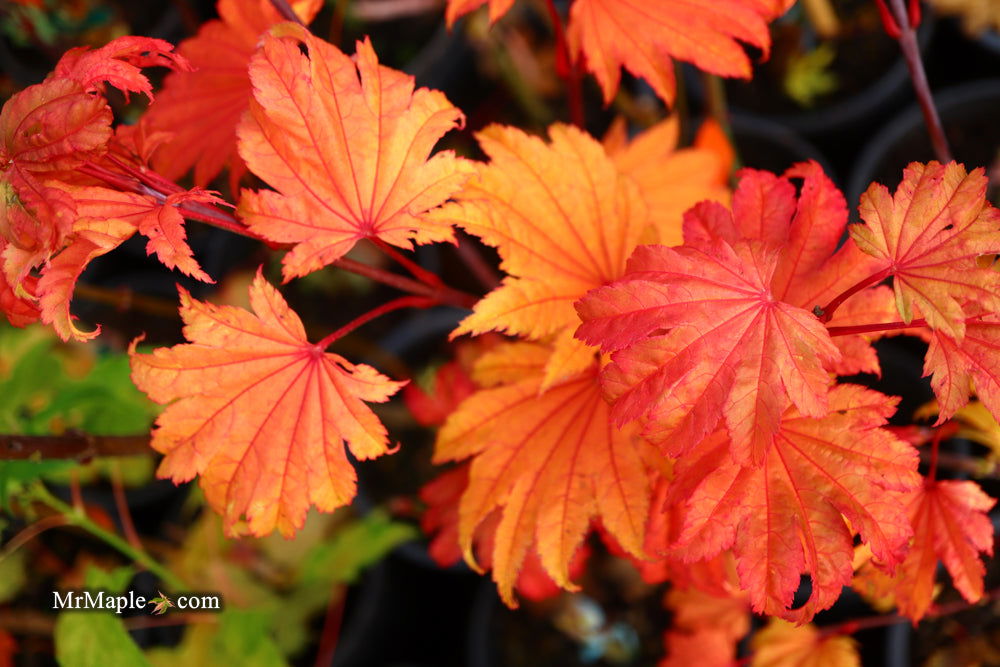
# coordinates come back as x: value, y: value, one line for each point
x: 907, y: 39
x: 395, y: 304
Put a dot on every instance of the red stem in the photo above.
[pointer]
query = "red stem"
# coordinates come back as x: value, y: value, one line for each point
x: 417, y: 271
x: 826, y: 313
x: 869, y: 328
x: 888, y: 326
x: 121, y: 504
x: 566, y: 67
x: 470, y: 256
x: 911, y: 52
x: 395, y: 304
x: 443, y: 294
x: 331, y: 626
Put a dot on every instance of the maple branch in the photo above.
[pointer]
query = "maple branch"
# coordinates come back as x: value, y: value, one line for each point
x: 79, y: 446
x: 395, y: 304
x: 825, y: 314
x: 566, y: 67
x: 444, y: 294
x: 417, y: 271
x: 718, y: 110
x: 123, y: 298
x: 905, y: 21
x: 286, y: 11
x: 80, y: 520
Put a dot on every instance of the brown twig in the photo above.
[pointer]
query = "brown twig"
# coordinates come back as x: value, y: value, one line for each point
x: 123, y: 298
x: 78, y: 446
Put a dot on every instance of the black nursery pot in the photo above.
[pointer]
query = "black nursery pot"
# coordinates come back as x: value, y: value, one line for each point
x: 968, y: 115
x: 872, y: 92
x: 764, y: 144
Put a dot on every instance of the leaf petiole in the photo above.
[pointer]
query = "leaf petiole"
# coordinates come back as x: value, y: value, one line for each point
x: 825, y: 314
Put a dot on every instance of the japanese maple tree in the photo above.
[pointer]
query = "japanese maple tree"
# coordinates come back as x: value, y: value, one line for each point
x: 661, y: 363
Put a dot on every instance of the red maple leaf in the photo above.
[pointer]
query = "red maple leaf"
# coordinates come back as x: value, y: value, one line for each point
x: 786, y: 517
x: 202, y: 108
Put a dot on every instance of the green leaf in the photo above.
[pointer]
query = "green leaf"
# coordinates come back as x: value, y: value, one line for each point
x: 12, y: 575
x: 241, y: 638
x: 97, y: 638
x: 354, y: 547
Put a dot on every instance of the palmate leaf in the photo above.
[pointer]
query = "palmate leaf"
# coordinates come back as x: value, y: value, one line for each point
x: 786, y: 518
x: 681, y: 178
x: 201, y: 109
x: 731, y: 344
x: 47, y: 130
x: 643, y: 36
x: 552, y: 461
x: 347, y: 156
x: 951, y: 525
x: 725, y: 321
x: 563, y: 219
x: 782, y: 644
x: 260, y: 413
x: 928, y: 237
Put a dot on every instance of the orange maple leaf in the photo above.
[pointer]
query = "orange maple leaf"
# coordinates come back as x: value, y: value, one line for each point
x: 786, y: 518
x: 260, y: 413
x: 928, y: 237
x: 440, y: 520
x: 643, y: 36
x: 563, y: 219
x: 705, y: 627
x: 950, y: 524
x: 348, y: 157
x: 682, y: 177
x: 957, y: 366
x: 552, y: 461
x: 202, y: 108
x: 782, y: 644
